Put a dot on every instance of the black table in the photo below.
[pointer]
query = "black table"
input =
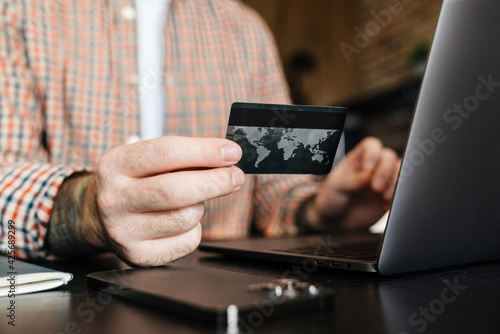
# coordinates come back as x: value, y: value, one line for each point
x: 455, y: 300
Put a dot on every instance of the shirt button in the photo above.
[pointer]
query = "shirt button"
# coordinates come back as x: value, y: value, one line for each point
x: 129, y: 13
x: 169, y: 80
x: 133, y: 79
x: 133, y: 139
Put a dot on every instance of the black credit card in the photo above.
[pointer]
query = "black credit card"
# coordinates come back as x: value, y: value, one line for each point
x: 286, y: 139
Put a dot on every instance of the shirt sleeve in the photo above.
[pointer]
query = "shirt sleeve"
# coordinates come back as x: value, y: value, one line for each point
x: 277, y: 198
x: 28, y: 181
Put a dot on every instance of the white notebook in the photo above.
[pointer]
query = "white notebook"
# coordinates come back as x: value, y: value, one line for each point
x: 19, y: 277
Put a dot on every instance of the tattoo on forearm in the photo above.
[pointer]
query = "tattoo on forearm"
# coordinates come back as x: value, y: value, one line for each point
x: 64, y: 235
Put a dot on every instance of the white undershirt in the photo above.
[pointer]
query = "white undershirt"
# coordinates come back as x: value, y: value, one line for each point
x: 151, y: 16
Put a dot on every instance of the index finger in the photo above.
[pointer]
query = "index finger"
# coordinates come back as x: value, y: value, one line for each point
x: 366, y: 155
x: 166, y: 154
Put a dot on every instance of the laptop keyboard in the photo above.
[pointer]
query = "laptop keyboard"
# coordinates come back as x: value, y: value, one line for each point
x: 368, y: 250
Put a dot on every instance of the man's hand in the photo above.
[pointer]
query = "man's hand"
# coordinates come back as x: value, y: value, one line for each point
x: 358, y: 191
x: 148, y: 197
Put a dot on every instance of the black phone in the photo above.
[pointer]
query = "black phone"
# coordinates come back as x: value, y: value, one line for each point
x: 221, y: 298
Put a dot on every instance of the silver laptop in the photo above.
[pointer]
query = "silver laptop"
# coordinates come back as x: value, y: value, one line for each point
x: 446, y: 207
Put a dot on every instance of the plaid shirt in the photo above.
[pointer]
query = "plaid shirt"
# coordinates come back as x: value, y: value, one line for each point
x: 69, y: 92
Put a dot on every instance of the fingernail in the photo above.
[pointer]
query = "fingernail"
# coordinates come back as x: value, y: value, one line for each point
x: 230, y: 153
x: 238, y: 178
x: 379, y: 183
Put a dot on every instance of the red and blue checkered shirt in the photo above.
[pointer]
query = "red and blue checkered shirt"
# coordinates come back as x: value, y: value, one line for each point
x: 69, y: 92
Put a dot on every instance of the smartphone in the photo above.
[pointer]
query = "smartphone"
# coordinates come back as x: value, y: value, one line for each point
x: 220, y: 298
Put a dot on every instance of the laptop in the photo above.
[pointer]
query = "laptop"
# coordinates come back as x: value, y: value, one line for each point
x: 446, y: 206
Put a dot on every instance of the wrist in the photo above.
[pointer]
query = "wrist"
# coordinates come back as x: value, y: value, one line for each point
x: 308, y: 219
x: 90, y: 222
x: 70, y: 230
x: 311, y: 219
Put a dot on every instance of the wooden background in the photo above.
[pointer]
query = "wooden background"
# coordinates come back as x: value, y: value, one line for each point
x: 318, y: 27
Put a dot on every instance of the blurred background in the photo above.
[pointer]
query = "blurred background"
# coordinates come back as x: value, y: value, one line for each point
x: 367, y: 55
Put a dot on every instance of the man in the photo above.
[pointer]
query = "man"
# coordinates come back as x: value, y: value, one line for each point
x: 72, y: 92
